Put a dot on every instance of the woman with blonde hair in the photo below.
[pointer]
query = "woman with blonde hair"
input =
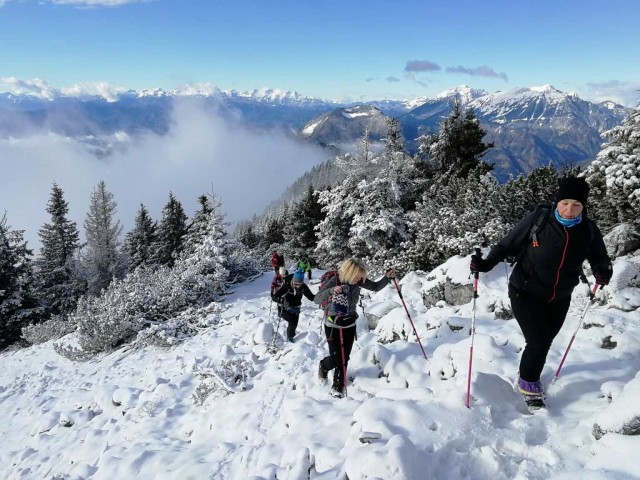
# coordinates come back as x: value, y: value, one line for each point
x: 341, y: 293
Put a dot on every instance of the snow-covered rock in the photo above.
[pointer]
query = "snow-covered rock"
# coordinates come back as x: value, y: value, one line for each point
x: 623, y: 415
x: 623, y: 239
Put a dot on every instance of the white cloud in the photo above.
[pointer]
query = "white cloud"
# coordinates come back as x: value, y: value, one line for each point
x: 102, y: 89
x: 624, y: 93
x: 36, y: 87
x: 248, y: 169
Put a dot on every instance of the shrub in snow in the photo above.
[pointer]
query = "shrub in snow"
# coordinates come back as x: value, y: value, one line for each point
x: 222, y: 379
x: 52, y: 329
x: 144, y: 298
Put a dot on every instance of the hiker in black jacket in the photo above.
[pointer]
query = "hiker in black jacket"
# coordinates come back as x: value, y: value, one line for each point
x: 290, y: 296
x: 549, y: 262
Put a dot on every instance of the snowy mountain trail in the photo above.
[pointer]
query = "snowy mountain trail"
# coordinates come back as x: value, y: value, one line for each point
x: 220, y: 406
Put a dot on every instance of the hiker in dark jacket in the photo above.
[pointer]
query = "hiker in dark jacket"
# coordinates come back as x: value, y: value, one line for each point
x: 276, y: 283
x: 277, y: 261
x: 343, y: 292
x: 549, y: 263
x: 290, y: 295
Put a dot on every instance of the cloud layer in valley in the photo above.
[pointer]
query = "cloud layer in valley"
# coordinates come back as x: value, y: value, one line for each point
x: 200, y: 153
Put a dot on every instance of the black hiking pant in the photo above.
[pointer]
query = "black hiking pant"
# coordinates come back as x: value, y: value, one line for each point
x: 540, y: 322
x: 334, y: 360
x: 292, y: 322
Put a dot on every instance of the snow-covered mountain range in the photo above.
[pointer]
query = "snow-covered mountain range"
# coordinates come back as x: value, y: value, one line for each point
x: 529, y: 126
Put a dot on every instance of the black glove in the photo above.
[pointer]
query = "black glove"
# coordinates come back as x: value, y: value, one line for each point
x: 479, y: 264
x: 603, y: 275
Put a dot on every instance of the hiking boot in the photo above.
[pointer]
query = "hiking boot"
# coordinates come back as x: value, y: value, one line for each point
x: 337, y: 392
x: 530, y: 390
x: 290, y: 339
x: 323, y: 375
x: 337, y: 389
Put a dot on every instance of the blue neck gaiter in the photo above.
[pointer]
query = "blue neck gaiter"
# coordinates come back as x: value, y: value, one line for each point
x: 572, y: 222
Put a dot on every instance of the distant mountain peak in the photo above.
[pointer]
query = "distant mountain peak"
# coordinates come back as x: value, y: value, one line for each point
x: 546, y: 88
x: 462, y: 93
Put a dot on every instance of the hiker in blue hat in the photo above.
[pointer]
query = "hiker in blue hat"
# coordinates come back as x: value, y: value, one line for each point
x: 290, y: 296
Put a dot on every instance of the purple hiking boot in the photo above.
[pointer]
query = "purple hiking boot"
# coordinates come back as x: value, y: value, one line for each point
x: 532, y: 393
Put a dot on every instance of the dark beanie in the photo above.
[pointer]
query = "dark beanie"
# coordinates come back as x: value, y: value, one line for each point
x: 573, y: 188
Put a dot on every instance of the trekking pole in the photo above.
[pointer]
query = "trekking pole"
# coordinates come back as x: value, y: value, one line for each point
x: 592, y: 296
x: 344, y: 363
x: 407, y: 311
x: 476, y: 275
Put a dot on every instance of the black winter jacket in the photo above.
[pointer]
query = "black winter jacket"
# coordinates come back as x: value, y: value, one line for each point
x: 551, y: 271
x: 290, y: 296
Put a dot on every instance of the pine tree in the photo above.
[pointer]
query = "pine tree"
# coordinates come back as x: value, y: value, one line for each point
x: 102, y: 230
x: 201, y: 265
x: 339, y: 207
x: 58, y: 285
x: 394, y: 141
x: 245, y: 232
x: 379, y: 226
x: 139, y: 242
x: 305, y: 216
x: 18, y: 306
x: 199, y: 227
x: 273, y: 232
x: 170, y: 233
x: 457, y: 148
x: 614, y: 176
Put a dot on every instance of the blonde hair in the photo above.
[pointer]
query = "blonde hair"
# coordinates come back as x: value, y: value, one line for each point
x: 350, y: 269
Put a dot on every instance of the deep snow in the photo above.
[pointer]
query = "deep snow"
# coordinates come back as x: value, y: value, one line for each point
x: 143, y: 413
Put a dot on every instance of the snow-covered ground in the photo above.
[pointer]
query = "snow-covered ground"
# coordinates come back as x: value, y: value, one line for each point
x: 220, y: 406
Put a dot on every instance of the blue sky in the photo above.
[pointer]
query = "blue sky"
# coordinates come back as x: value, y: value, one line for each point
x: 332, y: 49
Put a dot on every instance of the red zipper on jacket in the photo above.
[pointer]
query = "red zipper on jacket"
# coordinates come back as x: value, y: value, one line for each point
x: 564, y: 253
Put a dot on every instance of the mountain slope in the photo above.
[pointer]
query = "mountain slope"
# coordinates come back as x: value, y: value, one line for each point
x: 219, y: 406
x: 343, y: 126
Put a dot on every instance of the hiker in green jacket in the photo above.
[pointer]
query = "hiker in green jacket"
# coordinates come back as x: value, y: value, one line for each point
x: 304, y: 264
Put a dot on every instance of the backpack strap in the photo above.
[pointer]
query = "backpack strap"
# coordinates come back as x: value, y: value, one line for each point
x: 543, y: 212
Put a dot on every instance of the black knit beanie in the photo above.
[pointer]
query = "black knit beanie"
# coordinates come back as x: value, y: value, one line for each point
x: 573, y: 188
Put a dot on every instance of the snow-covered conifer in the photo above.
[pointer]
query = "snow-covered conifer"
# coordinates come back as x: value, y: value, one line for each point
x: 139, y: 242
x: 300, y: 235
x: 201, y: 264
x: 457, y: 148
x: 614, y: 176
x: 58, y: 282
x: 102, y: 230
x: 18, y: 307
x: 170, y: 233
